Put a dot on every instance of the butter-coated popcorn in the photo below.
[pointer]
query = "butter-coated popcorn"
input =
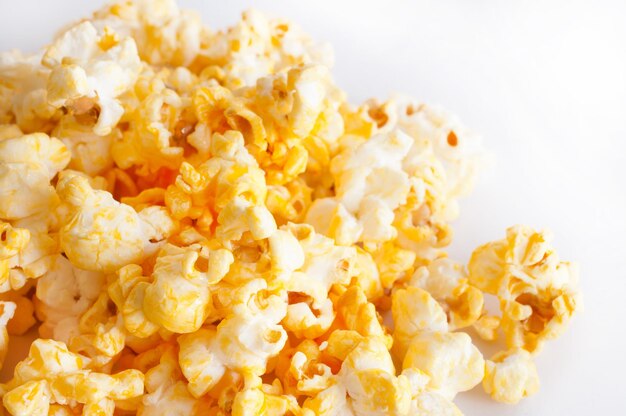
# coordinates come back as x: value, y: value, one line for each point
x: 198, y: 222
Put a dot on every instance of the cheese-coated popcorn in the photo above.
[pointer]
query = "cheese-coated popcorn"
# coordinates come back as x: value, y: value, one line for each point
x: 430, y: 403
x: 31, y: 398
x: 198, y: 222
x: 510, y: 376
x: 370, y: 185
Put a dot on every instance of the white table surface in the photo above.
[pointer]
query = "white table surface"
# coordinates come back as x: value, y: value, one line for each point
x: 545, y: 83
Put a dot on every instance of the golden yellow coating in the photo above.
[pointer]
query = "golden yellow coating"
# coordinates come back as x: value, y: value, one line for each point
x: 199, y: 223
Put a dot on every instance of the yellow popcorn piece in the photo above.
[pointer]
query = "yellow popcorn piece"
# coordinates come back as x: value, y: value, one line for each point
x: 200, y: 223
x: 357, y: 314
x: 179, y: 296
x: 447, y: 282
x: 148, y: 142
x: 251, y: 402
x: 538, y: 293
x: 53, y: 375
x: 414, y: 310
x: 27, y: 164
x: 369, y: 187
x: 6, y: 313
x: 63, y: 294
x: 450, y: 359
x: 85, y: 73
x: 101, y: 234
x: 23, y: 318
x: 31, y: 398
x: 242, y: 342
x: 166, y: 393
x: 510, y: 376
x: 13, y: 242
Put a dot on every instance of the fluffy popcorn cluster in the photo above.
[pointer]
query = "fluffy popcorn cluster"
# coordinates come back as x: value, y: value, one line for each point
x: 198, y: 223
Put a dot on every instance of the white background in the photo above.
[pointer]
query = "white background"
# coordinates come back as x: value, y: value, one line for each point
x: 545, y: 83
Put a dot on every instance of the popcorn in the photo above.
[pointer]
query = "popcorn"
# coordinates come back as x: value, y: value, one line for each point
x: 201, y: 224
x: 538, y: 293
x: 27, y: 164
x: 63, y: 294
x: 310, y: 312
x: 414, y: 310
x: 369, y: 168
x: 23, y: 318
x: 448, y: 358
x: 166, y: 393
x: 53, y: 375
x: 101, y: 234
x: 13, y: 242
x: 179, y: 296
x: 7, y: 312
x: 448, y: 283
x: 510, y: 376
x: 88, y: 69
x: 243, y: 342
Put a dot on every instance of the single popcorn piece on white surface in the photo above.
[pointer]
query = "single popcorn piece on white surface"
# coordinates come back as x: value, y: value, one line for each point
x: 538, y: 292
x: 198, y: 222
x: 510, y: 376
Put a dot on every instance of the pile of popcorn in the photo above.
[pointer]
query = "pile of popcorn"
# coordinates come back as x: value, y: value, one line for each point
x: 199, y: 223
